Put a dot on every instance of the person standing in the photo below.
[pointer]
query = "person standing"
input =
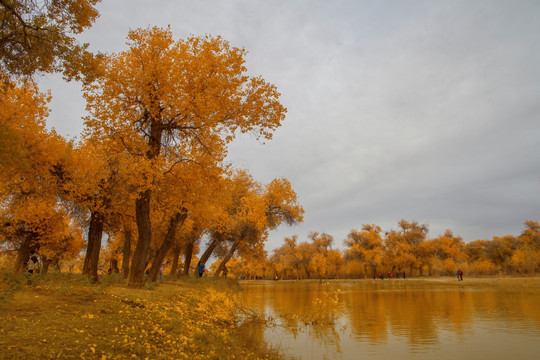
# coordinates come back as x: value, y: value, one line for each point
x: 200, y: 267
x: 161, y: 269
x: 460, y: 275
x: 457, y: 274
x: 33, y: 263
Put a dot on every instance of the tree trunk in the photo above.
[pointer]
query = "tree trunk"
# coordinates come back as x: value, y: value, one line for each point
x: 206, y: 255
x: 95, y: 233
x: 365, y: 270
x: 138, y: 262
x: 187, y: 257
x: 114, y: 266
x: 227, y: 258
x: 46, y: 262
x: 56, y: 264
x: 178, y: 218
x: 23, y: 254
x: 176, y: 257
x: 126, y: 253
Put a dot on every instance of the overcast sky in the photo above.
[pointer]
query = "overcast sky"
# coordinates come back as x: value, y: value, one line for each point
x: 427, y: 111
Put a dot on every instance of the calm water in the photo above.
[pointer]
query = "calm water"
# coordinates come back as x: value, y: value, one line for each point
x: 399, y: 319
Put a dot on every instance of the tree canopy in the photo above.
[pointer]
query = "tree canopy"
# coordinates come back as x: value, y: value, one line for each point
x: 40, y: 35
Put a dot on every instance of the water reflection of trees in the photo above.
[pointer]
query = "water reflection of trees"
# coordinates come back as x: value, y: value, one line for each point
x: 411, y: 314
x: 375, y: 312
x: 312, y: 308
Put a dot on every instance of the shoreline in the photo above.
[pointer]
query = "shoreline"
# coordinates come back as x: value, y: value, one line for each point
x: 495, y: 281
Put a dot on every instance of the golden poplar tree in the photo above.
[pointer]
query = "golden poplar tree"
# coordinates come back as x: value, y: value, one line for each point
x: 33, y: 218
x: 168, y: 101
x: 40, y: 35
x: 366, y: 246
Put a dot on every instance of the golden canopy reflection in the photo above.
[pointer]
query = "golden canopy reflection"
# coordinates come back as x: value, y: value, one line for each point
x: 418, y: 314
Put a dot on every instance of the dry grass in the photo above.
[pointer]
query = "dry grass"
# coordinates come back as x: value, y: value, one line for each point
x: 65, y: 317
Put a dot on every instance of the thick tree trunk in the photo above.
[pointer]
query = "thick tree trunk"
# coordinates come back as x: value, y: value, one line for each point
x: 206, y: 255
x: 178, y: 218
x: 187, y: 257
x: 142, y: 204
x: 176, y: 257
x: 95, y: 233
x: 126, y: 253
x: 138, y: 262
x: 23, y: 254
x: 227, y: 258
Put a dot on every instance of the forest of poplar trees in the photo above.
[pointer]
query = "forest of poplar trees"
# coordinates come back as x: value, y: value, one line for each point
x: 148, y: 169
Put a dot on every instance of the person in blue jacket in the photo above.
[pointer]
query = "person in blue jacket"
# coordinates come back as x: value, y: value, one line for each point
x: 200, y: 267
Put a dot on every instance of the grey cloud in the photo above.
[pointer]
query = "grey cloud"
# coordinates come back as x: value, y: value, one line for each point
x: 422, y: 110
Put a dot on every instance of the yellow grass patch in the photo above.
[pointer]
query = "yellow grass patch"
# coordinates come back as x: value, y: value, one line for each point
x: 68, y: 318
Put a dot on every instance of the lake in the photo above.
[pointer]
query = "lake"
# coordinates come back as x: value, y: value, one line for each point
x: 397, y: 318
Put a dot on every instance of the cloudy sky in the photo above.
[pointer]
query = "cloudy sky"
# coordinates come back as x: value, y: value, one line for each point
x: 427, y: 111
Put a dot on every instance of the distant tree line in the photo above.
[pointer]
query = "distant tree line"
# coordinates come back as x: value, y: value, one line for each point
x: 405, y: 250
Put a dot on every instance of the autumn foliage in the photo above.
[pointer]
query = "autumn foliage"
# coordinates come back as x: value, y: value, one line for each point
x: 406, y: 250
x: 148, y: 170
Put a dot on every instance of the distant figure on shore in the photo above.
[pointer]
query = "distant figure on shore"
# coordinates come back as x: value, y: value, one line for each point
x: 381, y: 276
x: 374, y: 276
x: 404, y: 274
x: 200, y: 267
x: 459, y: 275
x: 389, y: 275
